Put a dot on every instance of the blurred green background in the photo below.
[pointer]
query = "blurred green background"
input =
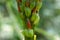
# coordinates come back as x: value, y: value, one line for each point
x: 49, y: 22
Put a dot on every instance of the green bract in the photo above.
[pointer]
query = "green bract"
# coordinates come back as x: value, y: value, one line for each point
x: 38, y: 5
x: 27, y: 11
x: 28, y: 33
x: 32, y: 5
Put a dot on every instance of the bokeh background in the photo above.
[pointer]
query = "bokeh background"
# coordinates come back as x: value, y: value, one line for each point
x: 50, y: 21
